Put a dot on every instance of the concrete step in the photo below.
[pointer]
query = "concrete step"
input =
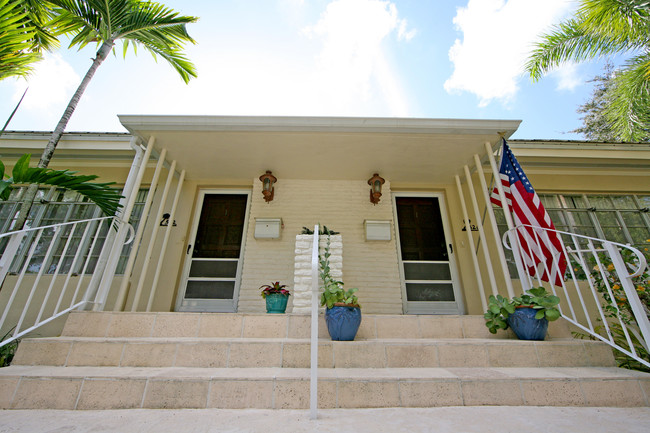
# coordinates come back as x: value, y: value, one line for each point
x: 284, y: 388
x: 295, y: 353
x: 208, y: 325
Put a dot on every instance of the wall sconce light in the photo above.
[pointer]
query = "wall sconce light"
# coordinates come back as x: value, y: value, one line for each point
x: 375, y: 183
x: 267, y: 185
x: 164, y: 222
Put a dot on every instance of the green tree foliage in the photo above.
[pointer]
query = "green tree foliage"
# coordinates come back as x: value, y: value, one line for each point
x: 107, y: 198
x: 602, y: 28
x: 146, y: 24
x: 23, y: 35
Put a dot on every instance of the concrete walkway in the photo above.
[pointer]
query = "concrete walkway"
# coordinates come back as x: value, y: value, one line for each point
x: 440, y: 420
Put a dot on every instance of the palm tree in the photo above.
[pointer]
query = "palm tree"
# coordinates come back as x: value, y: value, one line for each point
x: 149, y: 25
x: 601, y: 28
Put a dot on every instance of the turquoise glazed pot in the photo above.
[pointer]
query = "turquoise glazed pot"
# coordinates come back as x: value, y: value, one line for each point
x: 343, y: 322
x: 525, y: 326
x: 276, y: 303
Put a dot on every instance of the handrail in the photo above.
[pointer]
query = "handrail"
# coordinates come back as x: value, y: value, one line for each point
x: 30, y: 306
x: 599, y: 284
x: 313, y: 378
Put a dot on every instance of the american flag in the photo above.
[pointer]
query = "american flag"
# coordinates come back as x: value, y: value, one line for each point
x: 540, y: 248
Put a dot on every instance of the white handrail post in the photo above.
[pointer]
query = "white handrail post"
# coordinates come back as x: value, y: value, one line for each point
x: 514, y: 242
x: 313, y: 381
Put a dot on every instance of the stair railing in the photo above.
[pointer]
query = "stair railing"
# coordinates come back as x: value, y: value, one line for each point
x: 65, y: 251
x: 599, y: 280
x: 313, y: 377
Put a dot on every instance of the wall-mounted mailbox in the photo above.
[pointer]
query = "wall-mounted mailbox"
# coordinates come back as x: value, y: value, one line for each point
x: 267, y: 228
x: 377, y: 230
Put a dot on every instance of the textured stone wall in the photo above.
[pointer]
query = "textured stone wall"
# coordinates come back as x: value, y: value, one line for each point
x: 302, y: 277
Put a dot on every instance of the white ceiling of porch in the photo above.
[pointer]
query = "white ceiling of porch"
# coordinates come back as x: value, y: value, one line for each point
x: 401, y: 150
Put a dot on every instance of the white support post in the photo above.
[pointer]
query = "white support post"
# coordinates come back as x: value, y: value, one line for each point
x: 514, y: 242
x: 481, y: 231
x: 313, y: 380
x: 163, y: 249
x: 100, y: 283
x: 470, y: 242
x: 495, y: 229
x: 122, y: 294
x: 152, y: 240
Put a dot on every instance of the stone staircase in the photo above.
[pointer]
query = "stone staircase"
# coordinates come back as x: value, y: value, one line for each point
x: 206, y: 360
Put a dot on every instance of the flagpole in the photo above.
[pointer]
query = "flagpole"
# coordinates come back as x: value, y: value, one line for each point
x: 514, y: 242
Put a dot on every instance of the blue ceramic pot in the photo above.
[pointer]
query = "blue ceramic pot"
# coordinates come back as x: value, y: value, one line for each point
x: 343, y: 322
x: 525, y: 326
x: 276, y: 303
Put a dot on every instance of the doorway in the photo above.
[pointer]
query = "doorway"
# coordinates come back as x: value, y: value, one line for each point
x: 214, y: 254
x: 428, y: 270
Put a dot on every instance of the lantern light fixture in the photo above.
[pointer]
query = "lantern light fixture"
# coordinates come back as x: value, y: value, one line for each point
x: 268, y: 180
x: 375, y: 183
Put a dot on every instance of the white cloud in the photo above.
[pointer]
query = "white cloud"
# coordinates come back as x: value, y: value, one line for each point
x: 351, y: 63
x: 497, y: 37
x: 567, y: 77
x: 51, y: 84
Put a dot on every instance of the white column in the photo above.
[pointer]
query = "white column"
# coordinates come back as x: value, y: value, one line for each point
x: 470, y: 242
x: 495, y: 229
x: 152, y: 241
x: 122, y: 294
x: 102, y: 278
x: 481, y: 231
x: 163, y: 249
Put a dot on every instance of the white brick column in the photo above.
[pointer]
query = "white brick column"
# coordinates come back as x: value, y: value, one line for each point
x: 302, y: 268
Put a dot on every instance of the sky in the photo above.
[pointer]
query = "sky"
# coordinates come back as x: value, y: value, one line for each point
x: 459, y: 59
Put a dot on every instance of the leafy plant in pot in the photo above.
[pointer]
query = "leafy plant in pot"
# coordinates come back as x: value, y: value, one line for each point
x: 528, y: 315
x: 343, y: 313
x: 276, y: 297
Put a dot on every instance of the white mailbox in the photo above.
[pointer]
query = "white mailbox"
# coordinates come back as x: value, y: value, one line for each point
x: 377, y: 230
x: 267, y: 228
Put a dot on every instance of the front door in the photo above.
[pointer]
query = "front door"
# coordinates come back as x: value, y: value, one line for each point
x: 214, y: 255
x: 429, y: 281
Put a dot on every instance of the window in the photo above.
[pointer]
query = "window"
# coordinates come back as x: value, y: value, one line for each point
x: 55, y: 206
x: 618, y: 218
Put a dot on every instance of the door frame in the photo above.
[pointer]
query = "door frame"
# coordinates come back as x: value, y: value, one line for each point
x: 188, y: 257
x: 423, y: 307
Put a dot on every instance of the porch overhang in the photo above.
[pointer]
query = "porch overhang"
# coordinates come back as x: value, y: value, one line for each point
x: 428, y: 151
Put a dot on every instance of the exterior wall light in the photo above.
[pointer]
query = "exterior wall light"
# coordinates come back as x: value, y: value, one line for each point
x: 268, y: 180
x: 375, y: 183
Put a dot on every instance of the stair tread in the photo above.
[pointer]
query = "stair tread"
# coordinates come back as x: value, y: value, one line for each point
x: 354, y: 374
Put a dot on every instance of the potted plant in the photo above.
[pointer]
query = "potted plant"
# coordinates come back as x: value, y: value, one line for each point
x: 343, y: 312
x: 276, y: 297
x: 528, y: 315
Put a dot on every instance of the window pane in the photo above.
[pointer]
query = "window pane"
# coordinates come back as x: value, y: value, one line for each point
x: 623, y: 202
x: 210, y: 289
x: 429, y: 292
x: 427, y: 271
x: 213, y: 269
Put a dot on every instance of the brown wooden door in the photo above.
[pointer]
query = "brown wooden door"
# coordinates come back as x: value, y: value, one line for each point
x: 221, y: 226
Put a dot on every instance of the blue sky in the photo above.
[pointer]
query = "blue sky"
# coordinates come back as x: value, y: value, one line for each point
x: 399, y: 58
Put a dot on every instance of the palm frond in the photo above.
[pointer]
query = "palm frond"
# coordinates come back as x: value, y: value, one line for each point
x: 629, y: 109
x: 600, y: 28
x: 18, y: 49
x: 105, y: 197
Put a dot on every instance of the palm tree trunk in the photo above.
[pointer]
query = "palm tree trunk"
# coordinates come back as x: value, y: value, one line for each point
x: 32, y: 190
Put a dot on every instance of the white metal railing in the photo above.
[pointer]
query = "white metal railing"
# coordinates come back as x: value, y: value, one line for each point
x: 60, y: 252
x: 313, y: 378
x: 599, y: 280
